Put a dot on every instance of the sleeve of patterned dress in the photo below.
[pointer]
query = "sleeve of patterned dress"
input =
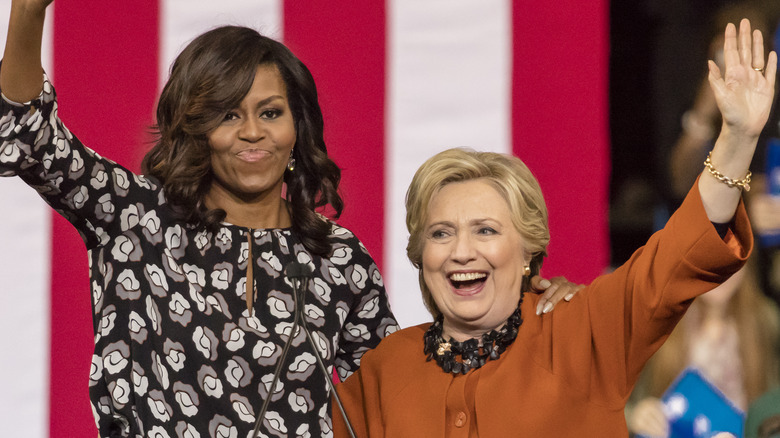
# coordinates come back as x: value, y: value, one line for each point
x: 99, y: 197
x: 369, y: 319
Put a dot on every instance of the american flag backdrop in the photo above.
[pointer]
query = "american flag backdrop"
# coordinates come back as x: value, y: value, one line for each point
x: 398, y: 79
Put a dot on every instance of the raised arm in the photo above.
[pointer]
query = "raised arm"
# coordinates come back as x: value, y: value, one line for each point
x: 21, y: 74
x: 99, y: 197
x: 744, y: 95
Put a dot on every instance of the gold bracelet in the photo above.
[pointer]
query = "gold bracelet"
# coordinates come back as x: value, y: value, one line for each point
x: 743, y: 183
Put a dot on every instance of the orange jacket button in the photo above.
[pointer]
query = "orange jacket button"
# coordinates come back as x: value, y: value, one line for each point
x: 460, y: 420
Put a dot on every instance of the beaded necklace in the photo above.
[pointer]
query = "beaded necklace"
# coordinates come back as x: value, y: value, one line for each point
x: 474, y: 352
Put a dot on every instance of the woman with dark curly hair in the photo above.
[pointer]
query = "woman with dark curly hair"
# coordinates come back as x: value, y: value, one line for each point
x: 193, y: 309
x: 208, y: 80
x: 191, y: 302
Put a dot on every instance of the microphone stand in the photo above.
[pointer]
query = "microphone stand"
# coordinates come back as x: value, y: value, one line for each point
x: 278, y: 371
x: 299, y: 275
x: 299, y: 302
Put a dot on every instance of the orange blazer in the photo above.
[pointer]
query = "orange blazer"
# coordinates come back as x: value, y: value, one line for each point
x: 569, y: 372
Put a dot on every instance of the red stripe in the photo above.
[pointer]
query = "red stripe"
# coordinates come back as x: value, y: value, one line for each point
x: 344, y: 47
x: 560, y: 124
x: 105, y: 67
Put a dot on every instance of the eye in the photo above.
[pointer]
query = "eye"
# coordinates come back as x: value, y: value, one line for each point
x: 230, y: 116
x: 271, y: 113
x: 487, y: 231
x: 439, y: 234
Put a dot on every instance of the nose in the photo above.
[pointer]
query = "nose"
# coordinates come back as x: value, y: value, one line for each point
x: 463, y: 250
x: 251, y: 129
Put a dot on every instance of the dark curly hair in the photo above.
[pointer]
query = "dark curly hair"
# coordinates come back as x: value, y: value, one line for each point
x: 209, y: 78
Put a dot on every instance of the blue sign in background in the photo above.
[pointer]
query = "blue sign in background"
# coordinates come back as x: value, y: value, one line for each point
x: 772, y: 238
x: 697, y: 409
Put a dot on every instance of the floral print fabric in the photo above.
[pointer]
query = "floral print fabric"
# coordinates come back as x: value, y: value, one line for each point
x: 177, y: 353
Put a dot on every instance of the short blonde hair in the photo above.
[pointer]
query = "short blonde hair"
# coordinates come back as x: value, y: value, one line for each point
x: 507, y: 174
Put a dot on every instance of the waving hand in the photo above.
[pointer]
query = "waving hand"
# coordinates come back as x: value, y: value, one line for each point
x: 21, y: 75
x: 744, y: 93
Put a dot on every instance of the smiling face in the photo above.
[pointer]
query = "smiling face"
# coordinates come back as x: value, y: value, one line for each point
x: 472, y: 258
x: 251, y: 147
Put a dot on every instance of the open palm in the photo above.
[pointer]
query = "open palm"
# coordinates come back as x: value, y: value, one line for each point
x: 744, y: 93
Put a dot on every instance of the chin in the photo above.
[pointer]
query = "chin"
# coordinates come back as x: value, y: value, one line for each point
x: 473, y: 320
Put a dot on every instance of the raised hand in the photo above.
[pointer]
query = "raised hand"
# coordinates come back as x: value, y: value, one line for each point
x: 745, y: 91
x: 37, y: 5
x: 21, y: 75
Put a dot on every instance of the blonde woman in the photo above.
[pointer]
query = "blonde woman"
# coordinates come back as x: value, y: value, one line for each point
x: 488, y: 365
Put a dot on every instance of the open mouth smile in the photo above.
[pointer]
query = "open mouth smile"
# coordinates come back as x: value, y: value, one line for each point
x: 467, y: 283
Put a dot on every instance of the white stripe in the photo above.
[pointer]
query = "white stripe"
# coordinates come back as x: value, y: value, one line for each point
x: 183, y: 20
x: 449, y: 85
x: 25, y: 235
x: 25, y: 245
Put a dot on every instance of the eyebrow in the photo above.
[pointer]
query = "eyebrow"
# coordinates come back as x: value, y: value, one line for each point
x: 477, y: 221
x: 445, y: 223
x: 269, y: 99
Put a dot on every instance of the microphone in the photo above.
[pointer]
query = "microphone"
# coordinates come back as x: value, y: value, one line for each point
x: 299, y: 275
x: 297, y: 270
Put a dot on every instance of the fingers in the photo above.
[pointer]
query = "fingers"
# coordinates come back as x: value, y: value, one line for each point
x: 758, y: 51
x: 716, y: 79
x: 771, y: 68
x: 571, y: 295
x: 714, y: 70
x: 548, y: 301
x: 745, y: 54
x: 746, y: 49
x: 730, y: 52
x: 559, y: 289
x: 539, y: 284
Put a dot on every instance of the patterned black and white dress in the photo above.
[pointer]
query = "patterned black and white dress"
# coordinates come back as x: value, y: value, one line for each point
x: 177, y: 353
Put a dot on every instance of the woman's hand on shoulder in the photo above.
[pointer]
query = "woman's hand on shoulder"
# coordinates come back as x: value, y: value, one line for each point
x: 553, y: 290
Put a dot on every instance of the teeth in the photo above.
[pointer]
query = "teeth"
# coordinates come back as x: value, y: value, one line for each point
x: 467, y: 276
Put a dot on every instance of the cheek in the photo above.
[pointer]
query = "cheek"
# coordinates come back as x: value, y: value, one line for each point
x: 217, y: 159
x: 286, y: 134
x: 509, y: 263
x: 433, y: 256
x: 219, y: 141
x: 506, y: 257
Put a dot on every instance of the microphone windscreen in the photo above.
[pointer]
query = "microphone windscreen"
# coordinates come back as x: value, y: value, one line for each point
x: 298, y: 270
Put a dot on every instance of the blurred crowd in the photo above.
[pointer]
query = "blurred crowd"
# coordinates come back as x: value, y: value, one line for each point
x: 664, y: 120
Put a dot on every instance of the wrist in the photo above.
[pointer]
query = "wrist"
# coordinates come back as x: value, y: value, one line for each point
x: 742, y: 138
x: 742, y: 183
x: 29, y: 10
